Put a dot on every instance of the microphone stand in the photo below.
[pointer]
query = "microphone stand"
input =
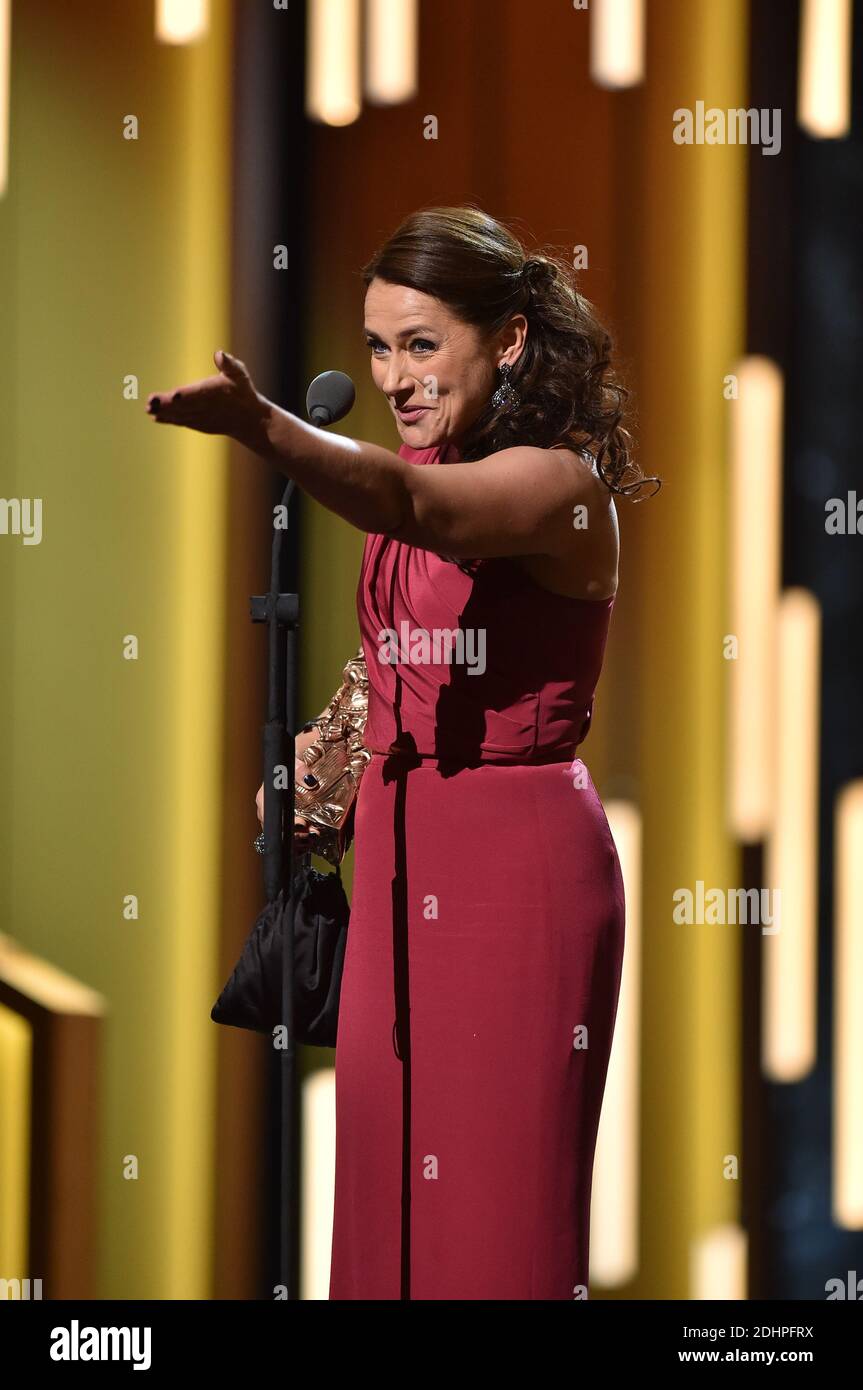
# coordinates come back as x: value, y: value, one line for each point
x: 328, y: 399
x: 281, y: 614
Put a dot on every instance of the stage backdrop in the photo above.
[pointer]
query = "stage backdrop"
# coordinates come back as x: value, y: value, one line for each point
x: 114, y: 257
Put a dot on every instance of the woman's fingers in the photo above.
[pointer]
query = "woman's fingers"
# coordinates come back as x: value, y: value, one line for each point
x: 194, y: 392
x: 302, y: 830
x: 224, y: 404
x: 232, y: 367
x: 200, y: 406
x: 177, y: 413
x: 171, y: 407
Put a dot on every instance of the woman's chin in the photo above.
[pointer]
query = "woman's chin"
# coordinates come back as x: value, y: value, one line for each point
x: 422, y: 434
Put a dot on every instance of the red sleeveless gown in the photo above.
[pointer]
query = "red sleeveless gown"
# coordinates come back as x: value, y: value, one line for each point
x: 486, y: 934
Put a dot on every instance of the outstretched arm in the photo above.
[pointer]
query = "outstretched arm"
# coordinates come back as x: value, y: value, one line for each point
x: 361, y: 482
x: 516, y: 502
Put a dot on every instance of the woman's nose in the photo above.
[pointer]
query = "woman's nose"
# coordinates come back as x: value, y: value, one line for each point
x: 395, y: 377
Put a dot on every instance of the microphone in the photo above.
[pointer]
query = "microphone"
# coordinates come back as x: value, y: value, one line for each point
x: 329, y: 398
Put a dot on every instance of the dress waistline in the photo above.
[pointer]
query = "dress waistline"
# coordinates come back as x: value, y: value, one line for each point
x: 408, y: 758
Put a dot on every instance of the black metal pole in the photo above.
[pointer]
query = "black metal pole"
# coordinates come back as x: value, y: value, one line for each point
x: 281, y: 614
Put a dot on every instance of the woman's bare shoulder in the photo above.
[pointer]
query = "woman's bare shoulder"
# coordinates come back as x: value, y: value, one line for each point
x: 582, y: 459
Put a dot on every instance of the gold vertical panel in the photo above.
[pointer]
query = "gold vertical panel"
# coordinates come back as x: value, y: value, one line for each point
x: 115, y: 252
x: 688, y: 204
x: 614, y: 1212
x: 198, y: 634
x: 15, y: 1073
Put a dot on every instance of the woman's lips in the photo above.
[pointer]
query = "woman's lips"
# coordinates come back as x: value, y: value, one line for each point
x: 412, y: 413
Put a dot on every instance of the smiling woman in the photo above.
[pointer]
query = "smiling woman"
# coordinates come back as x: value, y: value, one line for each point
x: 487, y: 921
x: 517, y: 502
x: 435, y: 369
x: 456, y: 307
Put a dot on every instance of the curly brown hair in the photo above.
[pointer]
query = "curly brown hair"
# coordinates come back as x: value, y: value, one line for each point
x: 567, y: 391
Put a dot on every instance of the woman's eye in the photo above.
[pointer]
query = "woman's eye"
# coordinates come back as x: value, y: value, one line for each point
x: 417, y: 345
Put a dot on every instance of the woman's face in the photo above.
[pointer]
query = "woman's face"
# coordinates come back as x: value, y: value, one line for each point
x: 436, y: 371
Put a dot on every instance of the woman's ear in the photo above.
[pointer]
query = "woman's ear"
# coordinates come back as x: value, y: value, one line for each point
x: 512, y: 340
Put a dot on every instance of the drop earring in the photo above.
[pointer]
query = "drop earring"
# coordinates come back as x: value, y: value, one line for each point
x: 505, y: 397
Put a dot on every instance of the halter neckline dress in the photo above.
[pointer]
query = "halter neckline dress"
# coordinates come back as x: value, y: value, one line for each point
x: 485, y: 941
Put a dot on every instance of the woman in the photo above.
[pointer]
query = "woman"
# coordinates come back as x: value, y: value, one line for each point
x: 487, y: 922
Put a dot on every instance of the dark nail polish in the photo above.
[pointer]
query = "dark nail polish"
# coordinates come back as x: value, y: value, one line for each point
x: 176, y: 396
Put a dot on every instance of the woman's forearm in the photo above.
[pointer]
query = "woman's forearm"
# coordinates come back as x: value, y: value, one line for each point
x: 363, y: 483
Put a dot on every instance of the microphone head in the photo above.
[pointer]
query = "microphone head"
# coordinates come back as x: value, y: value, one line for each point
x: 329, y: 398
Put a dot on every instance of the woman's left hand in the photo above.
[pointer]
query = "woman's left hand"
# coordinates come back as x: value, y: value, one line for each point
x: 225, y: 404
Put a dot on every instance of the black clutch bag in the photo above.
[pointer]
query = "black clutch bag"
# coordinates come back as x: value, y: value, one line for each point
x: 252, y: 998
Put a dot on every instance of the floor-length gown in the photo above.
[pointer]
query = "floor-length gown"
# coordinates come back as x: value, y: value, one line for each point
x: 485, y: 943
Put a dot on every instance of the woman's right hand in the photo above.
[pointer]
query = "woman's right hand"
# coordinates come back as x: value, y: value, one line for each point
x: 304, y: 834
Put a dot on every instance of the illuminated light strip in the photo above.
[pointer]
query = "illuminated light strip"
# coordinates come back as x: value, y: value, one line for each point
x: 847, y: 1011
x: 614, y: 1212
x: 617, y: 30
x: 5, y: 76
x: 824, y: 69
x: 790, y: 972
x: 718, y: 1264
x: 755, y: 519
x: 333, y: 61
x: 182, y: 21
x: 392, y: 28
x: 318, y: 1165
x: 194, y: 728
x: 16, y: 1080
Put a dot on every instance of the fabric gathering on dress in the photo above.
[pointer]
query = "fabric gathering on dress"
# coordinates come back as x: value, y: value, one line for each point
x: 485, y: 943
